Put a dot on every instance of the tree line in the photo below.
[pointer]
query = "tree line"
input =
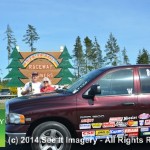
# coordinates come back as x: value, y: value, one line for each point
x: 87, y: 55
x: 30, y: 37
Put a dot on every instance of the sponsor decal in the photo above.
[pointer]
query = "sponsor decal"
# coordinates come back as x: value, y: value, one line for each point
x: 147, y: 122
x: 131, y: 130
x: 96, y: 125
x: 115, y: 119
x: 89, y: 137
x: 120, y: 135
x: 102, y: 132
x: 133, y: 134
x: 108, y: 124
x: 132, y: 123
x: 144, y: 116
x: 141, y: 122
x: 85, y: 126
x: 117, y: 131
x: 144, y: 129
x: 87, y: 120
x: 129, y: 90
x: 129, y: 118
x: 146, y: 133
x: 88, y: 133
x: 94, y: 116
x: 98, y: 116
x: 103, y: 137
x: 85, y: 117
x: 121, y: 124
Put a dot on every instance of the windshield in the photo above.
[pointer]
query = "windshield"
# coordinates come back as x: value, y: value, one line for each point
x: 82, y: 81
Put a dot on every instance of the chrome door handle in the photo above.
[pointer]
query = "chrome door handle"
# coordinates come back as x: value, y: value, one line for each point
x: 129, y: 104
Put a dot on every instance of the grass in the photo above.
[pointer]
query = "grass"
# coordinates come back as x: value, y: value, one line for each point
x: 2, y: 105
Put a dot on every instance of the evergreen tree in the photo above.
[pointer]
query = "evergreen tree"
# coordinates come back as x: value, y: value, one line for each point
x: 31, y: 36
x: 143, y: 57
x: 125, y: 57
x: 65, y: 73
x: 112, y: 50
x: 78, y: 55
x: 89, y: 55
x: 97, y: 59
x: 11, y: 41
x: 139, y: 57
x: 15, y: 73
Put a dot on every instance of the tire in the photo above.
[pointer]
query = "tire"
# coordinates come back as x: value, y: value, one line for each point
x: 48, y: 131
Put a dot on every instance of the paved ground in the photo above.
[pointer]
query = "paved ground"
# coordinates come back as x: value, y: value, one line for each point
x: 99, y: 146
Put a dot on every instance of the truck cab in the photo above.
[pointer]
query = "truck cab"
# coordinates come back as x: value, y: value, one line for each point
x: 111, y: 102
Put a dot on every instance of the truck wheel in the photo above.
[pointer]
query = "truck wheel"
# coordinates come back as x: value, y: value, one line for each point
x: 50, y: 135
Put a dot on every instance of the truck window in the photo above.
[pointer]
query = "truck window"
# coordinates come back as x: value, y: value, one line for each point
x: 117, y: 83
x: 82, y: 81
x: 145, y: 79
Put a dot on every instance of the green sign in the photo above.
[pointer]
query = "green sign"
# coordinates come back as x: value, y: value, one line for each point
x: 2, y: 127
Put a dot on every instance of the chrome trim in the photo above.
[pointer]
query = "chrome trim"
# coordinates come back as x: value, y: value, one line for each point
x: 17, y: 136
x: 8, y: 133
x: 7, y: 107
x: 7, y: 112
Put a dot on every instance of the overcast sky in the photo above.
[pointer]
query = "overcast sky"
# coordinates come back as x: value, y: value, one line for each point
x: 59, y: 22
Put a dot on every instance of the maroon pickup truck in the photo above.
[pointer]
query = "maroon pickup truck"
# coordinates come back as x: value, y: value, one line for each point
x: 105, y: 103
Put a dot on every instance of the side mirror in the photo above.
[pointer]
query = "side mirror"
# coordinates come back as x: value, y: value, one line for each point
x: 95, y: 89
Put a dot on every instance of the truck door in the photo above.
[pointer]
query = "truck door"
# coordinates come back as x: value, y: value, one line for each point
x: 144, y: 100
x: 112, y: 111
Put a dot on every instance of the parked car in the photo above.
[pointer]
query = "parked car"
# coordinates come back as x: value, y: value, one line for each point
x: 5, y: 92
x: 107, y: 102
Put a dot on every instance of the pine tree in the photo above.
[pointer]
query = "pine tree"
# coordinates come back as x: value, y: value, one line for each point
x: 125, y: 57
x: 31, y: 36
x: 78, y: 55
x: 112, y: 50
x: 97, y: 59
x: 88, y: 54
x: 65, y: 73
x: 143, y: 57
x: 139, y: 57
x: 15, y: 75
x: 11, y: 41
